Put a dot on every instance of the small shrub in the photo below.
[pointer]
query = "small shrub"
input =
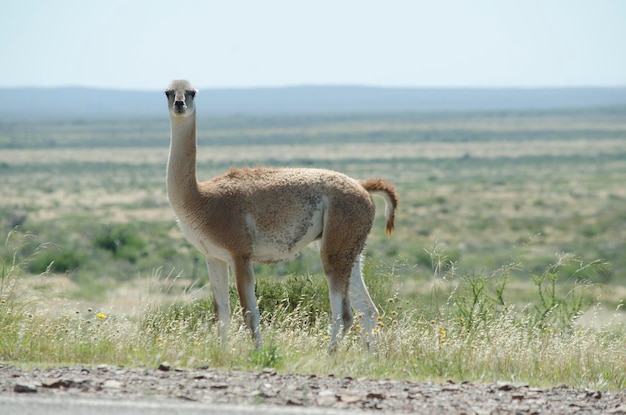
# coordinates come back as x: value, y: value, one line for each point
x: 563, y: 288
x: 58, y: 259
x: 269, y: 356
x: 423, y: 258
x: 121, y: 240
x: 307, y: 294
x: 194, y: 315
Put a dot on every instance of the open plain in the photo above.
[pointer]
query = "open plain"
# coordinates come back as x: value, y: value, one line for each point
x: 507, y: 264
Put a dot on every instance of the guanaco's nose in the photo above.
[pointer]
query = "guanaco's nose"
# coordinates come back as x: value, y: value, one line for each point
x: 179, y: 105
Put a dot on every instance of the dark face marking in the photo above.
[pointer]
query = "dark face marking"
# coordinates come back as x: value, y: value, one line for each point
x: 180, y: 97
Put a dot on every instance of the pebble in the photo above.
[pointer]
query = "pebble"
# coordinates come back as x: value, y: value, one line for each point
x: 326, y: 398
x: 25, y: 388
x: 112, y: 384
x: 51, y: 383
x: 165, y: 366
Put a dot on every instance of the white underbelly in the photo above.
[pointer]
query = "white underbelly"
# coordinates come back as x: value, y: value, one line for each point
x: 286, y: 243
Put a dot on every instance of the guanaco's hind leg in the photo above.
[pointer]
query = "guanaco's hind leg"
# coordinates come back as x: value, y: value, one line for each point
x: 340, y: 309
x: 347, y: 222
x: 362, y: 302
x: 337, y: 264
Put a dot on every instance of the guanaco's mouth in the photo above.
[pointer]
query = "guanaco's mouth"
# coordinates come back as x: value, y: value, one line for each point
x: 179, y: 111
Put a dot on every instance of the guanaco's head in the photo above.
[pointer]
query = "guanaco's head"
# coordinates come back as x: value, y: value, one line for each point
x: 180, y: 95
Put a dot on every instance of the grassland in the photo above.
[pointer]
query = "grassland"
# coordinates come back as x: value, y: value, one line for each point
x: 510, y: 245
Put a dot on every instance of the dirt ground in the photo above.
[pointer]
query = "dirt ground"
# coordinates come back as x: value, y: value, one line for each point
x: 268, y: 388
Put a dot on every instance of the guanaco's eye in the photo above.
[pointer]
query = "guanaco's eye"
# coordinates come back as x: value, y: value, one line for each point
x: 191, y: 93
x: 169, y: 93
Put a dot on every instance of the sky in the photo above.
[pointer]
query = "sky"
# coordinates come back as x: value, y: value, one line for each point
x: 143, y: 44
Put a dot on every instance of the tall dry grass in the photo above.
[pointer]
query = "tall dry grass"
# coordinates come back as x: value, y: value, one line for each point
x: 468, y: 333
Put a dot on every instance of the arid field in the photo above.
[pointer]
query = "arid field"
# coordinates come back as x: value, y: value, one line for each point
x: 508, y: 261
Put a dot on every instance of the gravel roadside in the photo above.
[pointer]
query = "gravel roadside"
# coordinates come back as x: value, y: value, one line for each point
x: 268, y: 388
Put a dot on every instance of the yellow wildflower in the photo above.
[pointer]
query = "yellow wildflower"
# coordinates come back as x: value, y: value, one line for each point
x: 101, y: 316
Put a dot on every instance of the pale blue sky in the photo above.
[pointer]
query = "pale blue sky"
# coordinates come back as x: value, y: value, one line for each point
x: 234, y: 43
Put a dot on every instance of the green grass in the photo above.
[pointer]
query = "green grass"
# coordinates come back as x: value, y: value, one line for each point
x: 463, y: 328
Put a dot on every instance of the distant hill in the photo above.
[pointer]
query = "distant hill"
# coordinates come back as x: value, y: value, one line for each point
x: 87, y: 102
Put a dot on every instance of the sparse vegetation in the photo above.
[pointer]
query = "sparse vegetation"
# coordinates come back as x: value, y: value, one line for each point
x: 478, y: 282
x: 470, y: 332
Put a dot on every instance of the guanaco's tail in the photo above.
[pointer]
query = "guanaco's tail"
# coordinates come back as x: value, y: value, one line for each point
x: 388, y: 192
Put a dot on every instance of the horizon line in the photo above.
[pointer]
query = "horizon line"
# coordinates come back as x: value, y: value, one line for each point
x: 330, y: 86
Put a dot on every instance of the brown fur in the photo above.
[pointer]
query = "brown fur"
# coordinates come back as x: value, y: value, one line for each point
x: 267, y: 214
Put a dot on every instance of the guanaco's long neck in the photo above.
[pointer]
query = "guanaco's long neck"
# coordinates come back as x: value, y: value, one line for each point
x: 182, y: 185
